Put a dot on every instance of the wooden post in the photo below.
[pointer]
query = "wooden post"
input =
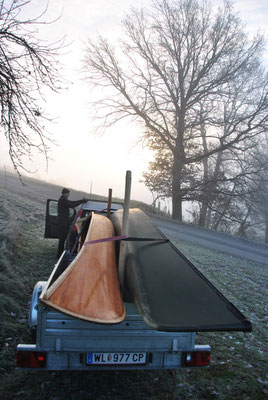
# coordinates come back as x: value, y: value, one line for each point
x: 109, y: 202
x: 123, y: 245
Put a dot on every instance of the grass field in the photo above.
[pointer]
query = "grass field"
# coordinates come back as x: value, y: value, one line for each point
x: 239, y: 362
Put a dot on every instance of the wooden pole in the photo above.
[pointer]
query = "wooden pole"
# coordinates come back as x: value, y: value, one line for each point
x: 109, y: 202
x: 123, y: 244
x: 126, y: 203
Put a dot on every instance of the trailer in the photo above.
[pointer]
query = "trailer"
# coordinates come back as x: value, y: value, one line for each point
x: 141, y: 341
x: 66, y: 343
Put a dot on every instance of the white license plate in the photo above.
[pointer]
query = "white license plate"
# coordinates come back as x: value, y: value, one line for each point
x: 116, y: 358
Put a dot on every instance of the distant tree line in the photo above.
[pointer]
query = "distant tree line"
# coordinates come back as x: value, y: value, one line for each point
x: 189, y: 74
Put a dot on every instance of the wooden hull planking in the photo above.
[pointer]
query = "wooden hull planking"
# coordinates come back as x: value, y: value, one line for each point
x: 89, y: 288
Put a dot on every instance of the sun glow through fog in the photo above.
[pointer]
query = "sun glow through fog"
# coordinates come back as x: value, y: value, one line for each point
x: 81, y: 159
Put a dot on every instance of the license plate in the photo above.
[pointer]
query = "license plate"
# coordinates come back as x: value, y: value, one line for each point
x: 116, y: 358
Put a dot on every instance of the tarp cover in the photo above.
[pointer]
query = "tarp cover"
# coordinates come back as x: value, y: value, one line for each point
x: 170, y: 293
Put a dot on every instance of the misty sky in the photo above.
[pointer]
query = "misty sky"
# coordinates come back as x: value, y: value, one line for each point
x: 81, y: 158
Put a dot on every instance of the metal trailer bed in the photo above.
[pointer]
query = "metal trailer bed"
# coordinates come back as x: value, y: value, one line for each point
x: 67, y: 343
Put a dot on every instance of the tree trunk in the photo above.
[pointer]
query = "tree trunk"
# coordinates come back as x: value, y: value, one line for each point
x: 242, y: 227
x: 177, y: 195
x: 222, y: 213
x: 266, y: 227
x: 177, y: 208
x: 203, y: 215
x: 178, y: 164
x: 208, y: 218
x: 204, y: 207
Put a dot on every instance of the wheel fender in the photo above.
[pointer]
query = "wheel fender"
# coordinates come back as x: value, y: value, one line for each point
x: 32, y: 320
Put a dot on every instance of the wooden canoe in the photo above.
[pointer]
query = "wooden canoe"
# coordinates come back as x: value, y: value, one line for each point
x: 89, y: 288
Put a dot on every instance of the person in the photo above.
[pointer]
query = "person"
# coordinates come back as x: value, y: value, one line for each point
x: 63, y: 217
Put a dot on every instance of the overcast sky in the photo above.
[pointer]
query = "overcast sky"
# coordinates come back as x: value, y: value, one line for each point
x: 81, y: 158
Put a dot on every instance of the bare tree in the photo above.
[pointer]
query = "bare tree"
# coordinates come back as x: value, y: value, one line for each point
x: 173, y: 58
x: 27, y: 66
x: 219, y: 180
x: 261, y: 203
x: 232, y: 169
x: 219, y: 187
x: 238, y: 202
x: 254, y: 201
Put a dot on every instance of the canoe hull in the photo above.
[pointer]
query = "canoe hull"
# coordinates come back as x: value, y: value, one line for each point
x: 170, y: 293
x: 89, y: 288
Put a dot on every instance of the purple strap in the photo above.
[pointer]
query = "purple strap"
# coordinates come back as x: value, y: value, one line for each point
x: 108, y: 239
x: 129, y: 238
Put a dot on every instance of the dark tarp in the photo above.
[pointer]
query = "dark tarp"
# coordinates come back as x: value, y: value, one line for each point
x: 170, y: 293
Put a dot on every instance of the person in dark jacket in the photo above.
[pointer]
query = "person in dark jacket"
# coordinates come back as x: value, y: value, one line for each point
x: 63, y: 217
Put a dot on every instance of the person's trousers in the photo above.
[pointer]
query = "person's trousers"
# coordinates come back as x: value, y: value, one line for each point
x: 63, y: 232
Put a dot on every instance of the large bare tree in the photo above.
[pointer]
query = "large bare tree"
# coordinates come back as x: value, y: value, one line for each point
x: 253, y: 199
x: 171, y: 59
x: 28, y: 65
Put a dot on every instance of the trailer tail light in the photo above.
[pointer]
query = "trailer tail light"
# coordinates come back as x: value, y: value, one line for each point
x: 195, y: 358
x: 31, y: 359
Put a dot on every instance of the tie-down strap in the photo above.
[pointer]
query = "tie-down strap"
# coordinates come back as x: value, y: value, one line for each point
x: 126, y: 238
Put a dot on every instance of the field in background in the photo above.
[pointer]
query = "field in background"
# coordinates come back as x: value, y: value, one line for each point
x: 238, y: 368
x: 39, y: 191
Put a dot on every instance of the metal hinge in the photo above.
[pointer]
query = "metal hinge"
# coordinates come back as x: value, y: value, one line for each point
x: 58, y: 344
x: 174, y: 345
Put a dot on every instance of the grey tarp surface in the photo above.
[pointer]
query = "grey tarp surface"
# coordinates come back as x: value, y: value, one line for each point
x: 170, y: 293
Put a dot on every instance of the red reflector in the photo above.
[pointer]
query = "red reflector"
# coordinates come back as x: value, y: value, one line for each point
x: 31, y: 359
x: 195, y: 358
